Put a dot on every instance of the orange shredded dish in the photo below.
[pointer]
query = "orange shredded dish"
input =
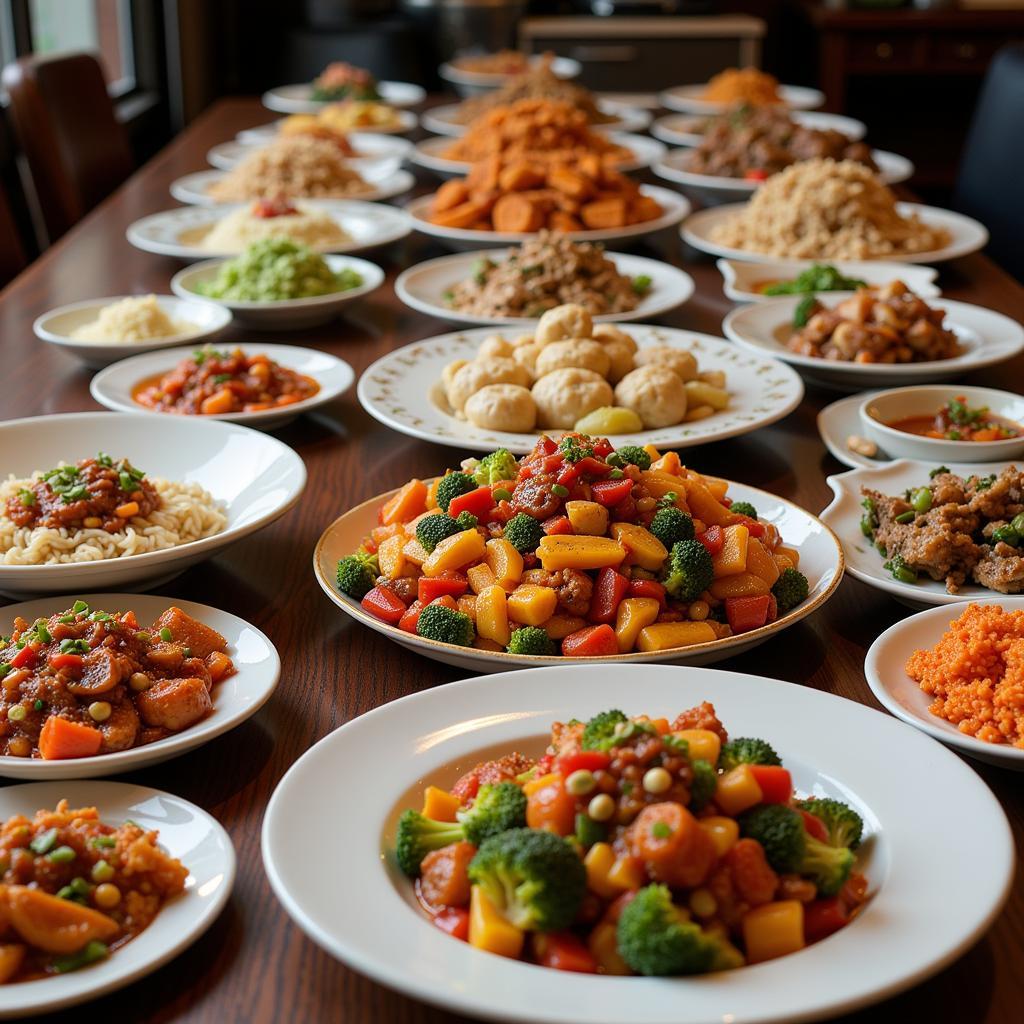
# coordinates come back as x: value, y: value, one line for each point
x: 975, y: 673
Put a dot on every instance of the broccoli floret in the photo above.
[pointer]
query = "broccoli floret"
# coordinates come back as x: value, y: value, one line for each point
x: 688, y: 571
x: 466, y: 521
x: 845, y: 826
x: 496, y: 808
x: 790, y: 589
x: 533, y: 877
x: 431, y: 530
x: 357, y: 574
x: 575, y: 447
x: 524, y: 533
x: 451, y: 486
x: 705, y: 781
x: 654, y: 939
x: 418, y: 836
x: 788, y: 847
x: 530, y: 640
x: 747, y: 750
x: 438, y: 622
x: 743, y: 508
x: 671, y: 525
x: 599, y: 732
x: 629, y: 455
x: 499, y: 465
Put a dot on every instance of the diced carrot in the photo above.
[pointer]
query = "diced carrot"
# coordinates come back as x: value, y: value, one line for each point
x: 218, y: 664
x: 218, y: 403
x: 409, y: 502
x: 60, y: 739
x: 127, y: 510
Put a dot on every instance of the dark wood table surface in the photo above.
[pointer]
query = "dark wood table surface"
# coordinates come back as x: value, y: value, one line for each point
x: 254, y: 964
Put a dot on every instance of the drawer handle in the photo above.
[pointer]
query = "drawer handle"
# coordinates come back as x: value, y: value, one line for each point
x: 884, y: 51
x: 967, y: 51
x: 606, y: 54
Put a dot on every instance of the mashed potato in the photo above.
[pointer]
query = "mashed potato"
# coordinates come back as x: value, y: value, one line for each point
x: 310, y: 227
x: 131, y: 320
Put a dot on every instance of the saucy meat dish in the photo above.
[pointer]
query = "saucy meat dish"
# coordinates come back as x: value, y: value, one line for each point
x: 74, y: 889
x: 87, y: 682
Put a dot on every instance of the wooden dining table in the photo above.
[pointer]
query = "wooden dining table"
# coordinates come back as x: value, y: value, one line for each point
x: 254, y: 964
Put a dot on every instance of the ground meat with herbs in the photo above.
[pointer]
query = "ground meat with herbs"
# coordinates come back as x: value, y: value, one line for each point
x: 535, y: 497
x: 574, y: 588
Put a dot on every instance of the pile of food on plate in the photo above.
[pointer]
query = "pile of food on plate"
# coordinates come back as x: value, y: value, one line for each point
x: 73, y: 890
x: 521, y: 195
x: 502, y: 62
x: 573, y: 374
x: 545, y: 272
x: 957, y: 421
x: 271, y: 218
x: 975, y: 673
x: 99, y: 508
x: 276, y: 270
x: 635, y: 846
x: 335, y: 121
x: 755, y: 142
x: 213, y: 383
x: 340, y: 81
x: 880, y: 324
x: 576, y: 549
x: 293, y: 166
x: 749, y: 86
x: 132, y: 319
x: 952, y: 528
x: 538, y: 130
x: 827, y: 209
x: 85, y: 681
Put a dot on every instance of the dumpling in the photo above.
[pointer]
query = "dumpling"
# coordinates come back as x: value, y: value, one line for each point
x: 568, y: 321
x: 479, y: 373
x: 526, y: 355
x: 609, y: 332
x: 620, y: 359
x: 448, y: 373
x: 655, y: 394
x: 502, y: 407
x: 587, y: 355
x: 566, y: 395
x: 494, y: 345
x: 678, y: 360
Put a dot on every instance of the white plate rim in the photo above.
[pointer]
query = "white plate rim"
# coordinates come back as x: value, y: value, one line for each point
x: 686, y: 99
x: 402, y: 94
x: 563, y: 67
x: 406, y: 121
x: 662, y: 128
x: 827, y: 418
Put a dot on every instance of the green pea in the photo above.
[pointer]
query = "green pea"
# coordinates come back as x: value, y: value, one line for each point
x: 1007, y: 534
x: 1017, y: 523
x: 921, y: 500
x: 904, y: 575
x: 867, y: 527
x: 62, y: 855
x: 560, y: 490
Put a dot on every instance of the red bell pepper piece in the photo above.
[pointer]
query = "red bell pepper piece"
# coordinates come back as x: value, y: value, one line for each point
x: 545, y: 446
x: 756, y: 174
x: 384, y: 604
x: 712, y: 538
x: 754, y: 527
x: 57, y: 661
x: 407, y: 623
x: 564, y: 952
x: 775, y: 781
x: 26, y: 657
x: 746, y: 613
x: 556, y: 525
x: 468, y: 786
x: 814, y: 826
x: 454, y: 921
x: 552, y: 463
x: 647, y: 588
x: 609, y: 590
x: 625, y: 511
x: 602, y: 448
x: 582, y: 760
x: 429, y: 588
x: 478, y: 502
x: 610, y: 492
x: 823, y: 917
x: 591, y: 642
x: 585, y: 467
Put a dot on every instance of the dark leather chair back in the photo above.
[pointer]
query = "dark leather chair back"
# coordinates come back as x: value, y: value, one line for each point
x: 13, y: 253
x: 77, y: 151
x: 988, y: 183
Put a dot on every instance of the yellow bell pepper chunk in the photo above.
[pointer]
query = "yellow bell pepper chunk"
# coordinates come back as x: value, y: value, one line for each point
x: 598, y: 862
x: 439, y: 804
x: 415, y: 552
x: 783, y: 562
x: 391, y: 558
x: 791, y: 553
x: 716, y: 485
x: 704, y: 744
x: 760, y: 563
x: 663, y: 636
x: 454, y: 552
x: 565, y: 551
x: 492, y: 615
x: 604, y: 947
x: 505, y: 562
x: 732, y: 558
x: 530, y: 605
x: 724, y: 832
x: 642, y: 547
x: 660, y: 484
x: 652, y: 452
x: 626, y: 873
x: 488, y: 929
x: 559, y: 626
x: 539, y: 783
x: 480, y: 577
x: 704, y: 505
x: 744, y: 584
x: 668, y: 463
x: 773, y: 930
x: 587, y: 517
x: 634, y: 613
x: 737, y: 790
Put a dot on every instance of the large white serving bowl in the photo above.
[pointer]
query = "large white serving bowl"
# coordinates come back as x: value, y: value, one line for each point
x: 283, y: 313
x: 442, y: 120
x: 115, y: 386
x: 472, y: 83
x: 889, y: 682
x: 883, y: 407
x: 863, y: 562
x: 371, y: 149
x: 180, y: 232
x: 256, y: 477
x: 901, y: 937
x: 966, y: 234
x: 236, y: 698
x: 689, y: 99
x: 404, y: 391
x: 675, y: 207
x: 298, y: 99
x: 821, y: 561
x: 688, y: 129
x: 186, y: 832
x: 986, y: 338
x: 423, y: 287
x: 405, y: 121
x: 57, y: 326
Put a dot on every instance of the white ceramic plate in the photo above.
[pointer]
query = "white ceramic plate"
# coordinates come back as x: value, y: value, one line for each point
x: 429, y: 154
x: 741, y: 278
x: 986, y: 338
x: 472, y: 83
x: 675, y: 208
x: 840, y: 421
x: 423, y: 287
x: 186, y: 832
x: 441, y: 120
x: 255, y: 477
x: 384, y: 180
x: 297, y: 99
x: 863, y: 562
x: 56, y: 327
x: 180, y: 232
x: 371, y: 151
x: 821, y: 561
x: 403, y: 390
x: 237, y: 698
x: 283, y: 313
x: 405, y: 121
x: 689, y: 99
x: 901, y: 937
x: 889, y: 682
x: 966, y: 235
x: 114, y: 386
x: 688, y: 129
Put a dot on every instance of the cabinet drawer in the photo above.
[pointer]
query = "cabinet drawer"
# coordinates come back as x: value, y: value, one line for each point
x: 881, y: 51
x: 972, y: 53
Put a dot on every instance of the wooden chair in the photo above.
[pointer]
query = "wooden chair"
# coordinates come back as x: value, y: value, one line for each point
x: 76, y: 150
x: 13, y: 253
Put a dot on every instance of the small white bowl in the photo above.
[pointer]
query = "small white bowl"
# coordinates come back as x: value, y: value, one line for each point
x: 282, y: 313
x: 55, y: 328
x: 881, y: 408
x: 473, y: 83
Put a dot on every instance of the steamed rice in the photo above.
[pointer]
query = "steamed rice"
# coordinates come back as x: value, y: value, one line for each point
x: 132, y: 319
x: 309, y: 226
